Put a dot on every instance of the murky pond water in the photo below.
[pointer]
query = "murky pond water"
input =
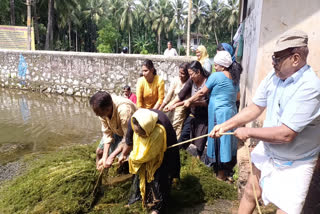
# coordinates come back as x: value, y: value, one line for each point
x: 34, y: 122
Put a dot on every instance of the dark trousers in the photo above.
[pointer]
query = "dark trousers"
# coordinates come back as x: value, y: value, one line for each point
x: 194, y: 127
x: 185, y: 132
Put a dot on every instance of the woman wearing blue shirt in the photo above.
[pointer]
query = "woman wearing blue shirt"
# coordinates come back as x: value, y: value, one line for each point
x: 223, y: 86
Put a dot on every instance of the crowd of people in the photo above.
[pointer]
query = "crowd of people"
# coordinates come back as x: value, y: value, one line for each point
x: 201, y: 102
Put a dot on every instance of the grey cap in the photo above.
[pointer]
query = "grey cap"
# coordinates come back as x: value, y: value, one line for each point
x: 291, y: 39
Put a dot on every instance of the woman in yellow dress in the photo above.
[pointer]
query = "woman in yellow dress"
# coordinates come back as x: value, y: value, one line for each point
x: 150, y: 87
x: 149, y: 134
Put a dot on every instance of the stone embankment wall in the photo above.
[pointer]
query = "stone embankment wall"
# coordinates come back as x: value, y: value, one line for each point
x: 79, y: 74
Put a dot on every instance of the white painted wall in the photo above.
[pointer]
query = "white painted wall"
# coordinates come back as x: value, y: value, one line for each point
x: 266, y: 20
x: 251, y: 45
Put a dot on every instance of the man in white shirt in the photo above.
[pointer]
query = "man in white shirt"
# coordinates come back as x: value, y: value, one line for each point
x: 170, y: 51
x: 285, y: 157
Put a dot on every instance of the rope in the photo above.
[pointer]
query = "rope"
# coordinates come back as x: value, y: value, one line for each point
x: 196, y: 138
x: 253, y: 187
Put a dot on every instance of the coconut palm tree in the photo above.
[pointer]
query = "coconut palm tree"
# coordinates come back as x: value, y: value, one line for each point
x: 94, y: 11
x: 114, y: 10
x: 145, y: 9
x: 179, y: 19
x: 77, y: 17
x: 12, y: 13
x: 198, y: 16
x: 64, y: 17
x: 213, y: 12
x: 4, y: 12
x: 189, y: 26
x: 232, y: 14
x: 35, y: 21
x: 127, y: 17
x: 49, y: 35
x: 114, y: 13
x: 161, y: 19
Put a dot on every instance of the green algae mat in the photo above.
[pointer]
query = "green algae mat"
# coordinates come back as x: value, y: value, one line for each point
x: 63, y: 182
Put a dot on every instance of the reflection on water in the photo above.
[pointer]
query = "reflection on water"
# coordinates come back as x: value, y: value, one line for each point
x: 33, y: 122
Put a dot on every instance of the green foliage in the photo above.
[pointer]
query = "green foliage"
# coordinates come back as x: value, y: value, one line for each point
x: 144, y: 52
x: 77, y: 24
x: 211, y: 49
x: 61, y: 45
x: 141, y: 45
x: 20, y: 12
x: 4, y: 12
x: 108, y: 36
x: 104, y: 48
x: 182, y: 51
x: 236, y: 173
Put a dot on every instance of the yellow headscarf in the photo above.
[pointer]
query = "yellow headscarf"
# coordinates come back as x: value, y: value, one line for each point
x: 204, y: 54
x: 147, y: 154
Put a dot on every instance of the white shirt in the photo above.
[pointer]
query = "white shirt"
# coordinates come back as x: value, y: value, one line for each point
x: 171, y: 52
x: 294, y: 102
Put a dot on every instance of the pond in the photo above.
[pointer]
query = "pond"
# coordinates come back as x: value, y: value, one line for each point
x: 33, y: 122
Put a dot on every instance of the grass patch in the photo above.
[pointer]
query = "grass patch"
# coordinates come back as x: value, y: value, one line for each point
x: 62, y: 182
x: 198, y: 185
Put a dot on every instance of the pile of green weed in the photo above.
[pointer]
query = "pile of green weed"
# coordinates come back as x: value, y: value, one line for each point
x: 114, y: 200
x: 198, y: 185
x: 60, y: 182
x: 63, y: 182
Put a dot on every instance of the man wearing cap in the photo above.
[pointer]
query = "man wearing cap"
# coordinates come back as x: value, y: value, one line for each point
x: 284, y: 159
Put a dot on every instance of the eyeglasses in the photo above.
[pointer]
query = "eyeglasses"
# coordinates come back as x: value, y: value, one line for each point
x: 277, y: 60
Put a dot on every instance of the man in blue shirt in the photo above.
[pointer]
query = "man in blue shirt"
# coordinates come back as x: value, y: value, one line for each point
x: 286, y: 155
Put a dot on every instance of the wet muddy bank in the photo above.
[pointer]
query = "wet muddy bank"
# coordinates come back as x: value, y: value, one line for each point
x: 10, y: 170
